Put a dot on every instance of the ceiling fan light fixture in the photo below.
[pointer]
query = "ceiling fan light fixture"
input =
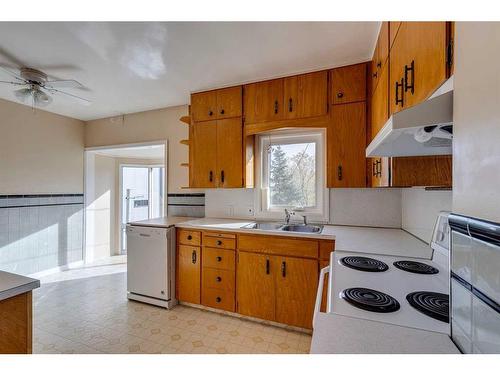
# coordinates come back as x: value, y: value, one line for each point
x: 41, y: 99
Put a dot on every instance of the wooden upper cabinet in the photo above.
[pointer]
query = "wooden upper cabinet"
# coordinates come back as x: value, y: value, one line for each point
x: 189, y: 274
x: 380, y: 54
x: 203, y: 154
x: 346, y: 143
x: 418, y: 62
x: 306, y: 95
x: 255, y: 286
x: 229, y: 153
x: 296, y: 285
x: 204, y: 106
x: 216, y: 104
x: 263, y: 101
x: 380, y: 103
x: 348, y: 84
x: 229, y: 102
x: 393, y: 31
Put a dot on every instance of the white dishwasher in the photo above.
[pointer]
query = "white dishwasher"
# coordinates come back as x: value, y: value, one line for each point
x: 151, y: 265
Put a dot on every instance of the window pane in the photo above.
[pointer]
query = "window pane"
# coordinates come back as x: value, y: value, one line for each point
x: 292, y: 174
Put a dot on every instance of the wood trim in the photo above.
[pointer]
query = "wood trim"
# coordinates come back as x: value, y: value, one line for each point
x: 311, y: 122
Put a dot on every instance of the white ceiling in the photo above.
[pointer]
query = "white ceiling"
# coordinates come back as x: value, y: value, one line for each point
x: 156, y: 152
x: 136, y: 66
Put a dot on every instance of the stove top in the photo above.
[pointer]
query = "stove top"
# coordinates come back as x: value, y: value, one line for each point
x: 364, y: 264
x: 382, y: 295
x: 416, y: 267
x: 370, y: 300
x: 435, y: 305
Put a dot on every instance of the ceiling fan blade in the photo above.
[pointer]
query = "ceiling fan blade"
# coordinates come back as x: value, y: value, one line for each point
x: 76, y: 98
x: 11, y: 74
x: 14, y: 83
x: 64, y: 83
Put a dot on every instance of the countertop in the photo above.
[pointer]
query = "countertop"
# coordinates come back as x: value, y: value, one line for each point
x: 385, y: 241
x: 339, y: 334
x: 11, y: 284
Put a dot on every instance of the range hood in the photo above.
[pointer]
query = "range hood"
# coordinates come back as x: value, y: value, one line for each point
x: 425, y: 129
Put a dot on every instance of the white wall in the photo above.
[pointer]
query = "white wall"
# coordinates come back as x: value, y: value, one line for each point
x: 40, y: 152
x: 476, y: 113
x: 364, y: 207
x: 420, y: 209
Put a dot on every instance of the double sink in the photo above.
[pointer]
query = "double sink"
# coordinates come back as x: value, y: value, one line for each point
x: 302, y: 228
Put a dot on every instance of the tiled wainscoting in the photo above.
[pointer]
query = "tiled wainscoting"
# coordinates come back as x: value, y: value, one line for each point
x: 186, y: 205
x: 40, y: 232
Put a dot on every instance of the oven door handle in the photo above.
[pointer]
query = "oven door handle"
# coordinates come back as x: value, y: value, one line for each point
x: 319, y: 294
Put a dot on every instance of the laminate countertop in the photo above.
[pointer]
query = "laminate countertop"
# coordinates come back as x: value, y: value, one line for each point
x: 12, y: 284
x: 383, y: 241
x: 339, y: 334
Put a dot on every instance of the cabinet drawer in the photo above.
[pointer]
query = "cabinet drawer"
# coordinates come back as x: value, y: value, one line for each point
x: 219, y: 299
x: 278, y: 245
x: 218, y: 279
x: 218, y: 258
x: 189, y: 237
x: 219, y: 242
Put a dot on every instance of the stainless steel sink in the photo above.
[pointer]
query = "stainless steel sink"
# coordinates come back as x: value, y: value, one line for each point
x: 302, y: 228
x: 264, y: 226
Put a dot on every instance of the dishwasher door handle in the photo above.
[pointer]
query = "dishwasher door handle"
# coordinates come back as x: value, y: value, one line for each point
x: 319, y: 295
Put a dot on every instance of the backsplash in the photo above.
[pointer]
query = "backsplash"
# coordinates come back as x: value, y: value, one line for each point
x: 192, y: 205
x: 420, y: 209
x: 40, y: 232
x: 364, y: 207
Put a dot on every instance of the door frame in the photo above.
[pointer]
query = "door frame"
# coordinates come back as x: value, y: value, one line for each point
x: 120, y: 191
x: 163, y: 143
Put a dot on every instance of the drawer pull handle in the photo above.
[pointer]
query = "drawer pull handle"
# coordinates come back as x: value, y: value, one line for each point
x: 340, y: 94
x: 218, y: 279
x: 218, y: 299
x: 283, y: 269
x: 222, y: 111
x: 219, y: 259
x: 193, y: 257
x: 219, y: 242
x: 267, y: 266
x: 411, y: 69
x: 189, y: 237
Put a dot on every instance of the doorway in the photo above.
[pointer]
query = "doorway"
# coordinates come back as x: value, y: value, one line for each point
x: 141, y: 196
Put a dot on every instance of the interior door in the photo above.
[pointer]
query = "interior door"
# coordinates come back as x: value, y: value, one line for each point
x: 230, y: 153
x: 296, y: 286
x: 255, y: 286
x: 203, y: 149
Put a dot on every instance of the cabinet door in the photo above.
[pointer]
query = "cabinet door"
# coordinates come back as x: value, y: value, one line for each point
x: 229, y: 102
x: 380, y: 54
x: 296, y: 286
x: 393, y: 31
x: 346, y: 143
x: 204, y: 106
x: 306, y: 95
x: 421, y: 171
x: 263, y: 101
x: 380, y: 103
x: 255, y: 286
x: 203, y: 154
x: 418, y: 57
x: 349, y: 84
x: 230, y: 153
x: 188, y: 274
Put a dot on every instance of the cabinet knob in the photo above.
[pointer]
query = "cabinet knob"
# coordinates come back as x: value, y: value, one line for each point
x: 210, y: 113
x: 222, y: 111
x: 218, y: 299
x: 218, y: 279
x: 219, y: 242
x: 219, y: 259
x: 340, y: 94
x: 189, y: 237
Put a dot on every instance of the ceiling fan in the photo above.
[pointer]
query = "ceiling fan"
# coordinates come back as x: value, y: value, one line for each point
x: 34, y: 87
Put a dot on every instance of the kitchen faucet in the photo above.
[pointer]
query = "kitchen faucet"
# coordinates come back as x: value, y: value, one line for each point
x: 288, y: 215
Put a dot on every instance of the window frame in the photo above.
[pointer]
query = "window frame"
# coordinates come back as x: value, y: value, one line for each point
x: 320, y: 213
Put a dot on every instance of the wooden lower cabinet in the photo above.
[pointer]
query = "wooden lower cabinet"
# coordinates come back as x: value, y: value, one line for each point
x: 255, y: 286
x: 296, y: 285
x: 189, y: 274
x: 16, y: 324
